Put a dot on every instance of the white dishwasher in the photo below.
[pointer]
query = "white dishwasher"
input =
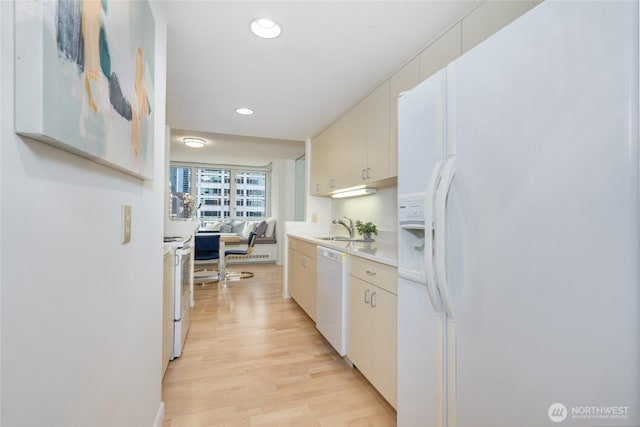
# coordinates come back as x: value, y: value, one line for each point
x: 331, y: 302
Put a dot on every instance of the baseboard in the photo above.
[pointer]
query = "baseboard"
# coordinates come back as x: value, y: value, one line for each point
x: 159, y: 415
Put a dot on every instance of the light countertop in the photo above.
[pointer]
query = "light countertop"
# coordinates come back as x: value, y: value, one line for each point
x: 379, y: 250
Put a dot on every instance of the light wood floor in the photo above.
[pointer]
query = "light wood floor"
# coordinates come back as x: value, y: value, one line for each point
x: 253, y: 358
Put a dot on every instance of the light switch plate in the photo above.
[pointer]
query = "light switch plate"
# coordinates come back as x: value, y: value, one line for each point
x: 126, y: 223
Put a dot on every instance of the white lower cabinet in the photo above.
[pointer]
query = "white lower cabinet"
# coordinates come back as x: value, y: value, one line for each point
x: 301, y: 274
x: 167, y: 308
x: 372, y: 312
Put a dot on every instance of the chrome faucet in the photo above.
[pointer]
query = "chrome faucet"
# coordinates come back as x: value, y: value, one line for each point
x: 350, y: 228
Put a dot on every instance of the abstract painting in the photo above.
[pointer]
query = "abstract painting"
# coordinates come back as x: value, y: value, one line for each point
x: 84, y: 79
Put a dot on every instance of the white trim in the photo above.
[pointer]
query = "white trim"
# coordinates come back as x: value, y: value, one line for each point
x: 157, y: 422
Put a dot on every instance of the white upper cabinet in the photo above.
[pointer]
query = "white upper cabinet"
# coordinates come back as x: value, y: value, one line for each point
x: 490, y: 17
x: 362, y: 146
x: 338, y: 158
x: 357, y: 118
x: 330, y: 159
x: 369, y: 154
x: 441, y: 52
x: 406, y: 78
x: 318, y: 174
x: 377, y: 134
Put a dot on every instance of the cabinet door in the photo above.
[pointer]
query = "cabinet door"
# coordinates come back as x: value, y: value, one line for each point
x: 309, y: 279
x: 303, y: 300
x: 378, y: 133
x: 293, y: 275
x: 384, y: 354
x: 337, y: 160
x: 490, y: 17
x: 318, y: 175
x: 441, y: 52
x: 301, y: 275
x: 359, y: 315
x: 358, y: 144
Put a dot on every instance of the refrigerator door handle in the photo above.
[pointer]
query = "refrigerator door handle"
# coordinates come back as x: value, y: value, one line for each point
x: 429, y: 268
x: 448, y: 173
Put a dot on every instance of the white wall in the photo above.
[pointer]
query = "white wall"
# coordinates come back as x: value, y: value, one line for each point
x: 81, y: 313
x: 283, y: 199
x: 2, y: 67
x: 301, y: 188
x: 379, y: 208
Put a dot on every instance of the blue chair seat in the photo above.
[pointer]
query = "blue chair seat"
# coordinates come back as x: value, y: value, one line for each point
x: 207, y: 248
x: 206, y: 255
x: 235, y: 252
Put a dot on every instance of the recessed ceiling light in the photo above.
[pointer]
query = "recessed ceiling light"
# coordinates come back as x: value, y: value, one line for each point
x: 244, y: 111
x: 194, y: 142
x: 265, y: 28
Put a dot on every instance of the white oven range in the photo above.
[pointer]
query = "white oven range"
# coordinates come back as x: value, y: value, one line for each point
x: 181, y: 286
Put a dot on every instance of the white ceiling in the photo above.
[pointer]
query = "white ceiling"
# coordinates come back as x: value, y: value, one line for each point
x: 329, y: 56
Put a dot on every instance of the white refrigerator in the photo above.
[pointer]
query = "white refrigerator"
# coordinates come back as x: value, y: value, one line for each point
x: 519, y: 227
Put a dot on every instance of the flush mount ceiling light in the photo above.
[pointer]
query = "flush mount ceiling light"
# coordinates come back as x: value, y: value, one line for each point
x: 353, y: 193
x: 265, y: 28
x: 244, y: 111
x: 194, y: 142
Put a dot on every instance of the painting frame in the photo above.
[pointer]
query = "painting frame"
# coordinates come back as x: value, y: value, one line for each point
x: 84, y: 79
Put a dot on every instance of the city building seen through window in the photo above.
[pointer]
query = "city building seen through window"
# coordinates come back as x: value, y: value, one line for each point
x: 220, y: 193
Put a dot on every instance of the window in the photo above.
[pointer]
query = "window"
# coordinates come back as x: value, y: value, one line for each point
x: 222, y: 193
x: 212, y: 187
x: 180, y: 185
x: 252, y: 190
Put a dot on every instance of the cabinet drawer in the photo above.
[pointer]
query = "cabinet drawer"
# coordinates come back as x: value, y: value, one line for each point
x: 381, y: 275
x: 305, y: 248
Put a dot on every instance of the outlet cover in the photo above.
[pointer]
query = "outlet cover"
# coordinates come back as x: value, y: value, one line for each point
x: 126, y: 223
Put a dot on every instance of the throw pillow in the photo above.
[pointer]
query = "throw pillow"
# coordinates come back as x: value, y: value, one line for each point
x: 237, y: 227
x: 271, y: 227
x: 211, y: 226
x: 261, y: 228
x: 248, y: 228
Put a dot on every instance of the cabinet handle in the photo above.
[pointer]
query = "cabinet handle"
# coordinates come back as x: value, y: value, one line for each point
x: 368, y: 173
x: 366, y: 296
x: 373, y: 301
x: 318, y: 187
x: 363, y: 174
x: 370, y: 273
